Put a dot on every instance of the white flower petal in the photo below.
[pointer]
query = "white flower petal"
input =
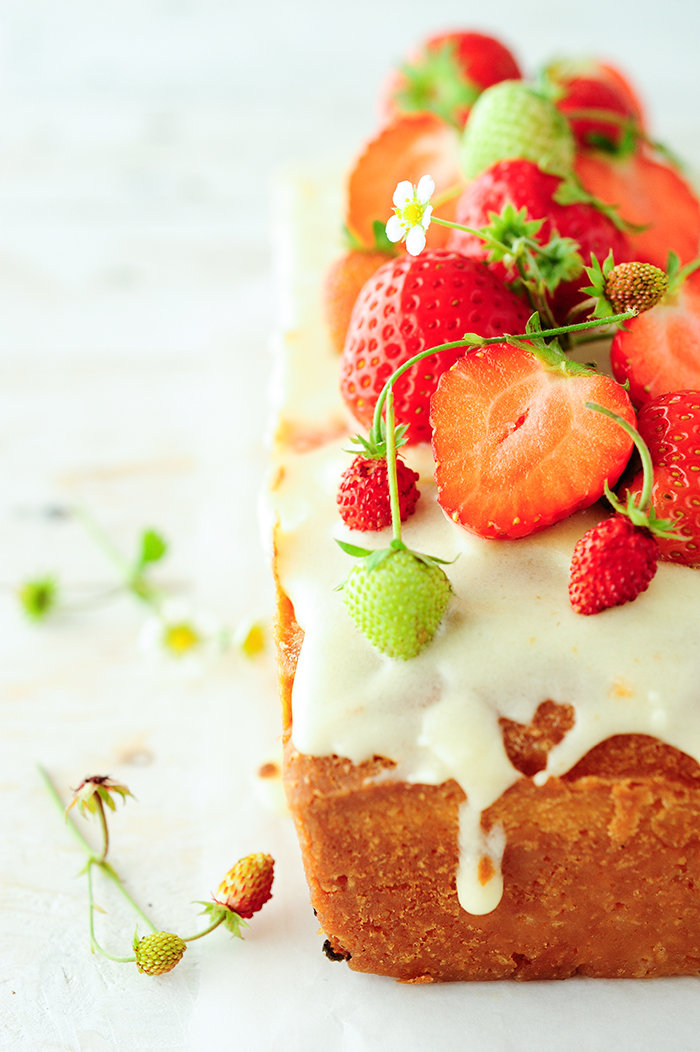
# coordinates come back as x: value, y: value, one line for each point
x: 403, y: 194
x: 425, y: 220
x: 415, y: 242
x: 425, y: 189
x: 395, y: 228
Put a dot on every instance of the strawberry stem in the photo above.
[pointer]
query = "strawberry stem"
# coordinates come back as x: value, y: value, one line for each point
x: 391, y: 467
x: 478, y: 341
x: 640, y: 513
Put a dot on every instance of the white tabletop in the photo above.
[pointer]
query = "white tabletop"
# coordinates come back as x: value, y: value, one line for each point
x: 138, y: 143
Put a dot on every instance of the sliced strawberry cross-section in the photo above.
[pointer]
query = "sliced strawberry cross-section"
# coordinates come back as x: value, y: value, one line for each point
x: 515, y: 447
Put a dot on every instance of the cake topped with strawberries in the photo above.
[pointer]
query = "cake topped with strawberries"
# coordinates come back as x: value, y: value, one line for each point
x: 495, y: 513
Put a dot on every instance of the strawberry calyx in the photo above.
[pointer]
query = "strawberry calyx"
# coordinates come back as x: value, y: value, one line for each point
x: 437, y: 82
x: 636, y: 284
x: 677, y: 274
x: 379, y: 241
x: 639, y: 511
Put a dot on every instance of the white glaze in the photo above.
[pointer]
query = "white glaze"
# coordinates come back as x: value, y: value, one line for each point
x: 509, y: 641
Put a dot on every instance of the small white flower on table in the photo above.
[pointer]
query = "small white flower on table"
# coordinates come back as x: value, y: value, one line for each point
x: 412, y: 211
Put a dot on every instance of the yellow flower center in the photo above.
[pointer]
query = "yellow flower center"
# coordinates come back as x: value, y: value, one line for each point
x: 412, y: 214
x: 180, y: 638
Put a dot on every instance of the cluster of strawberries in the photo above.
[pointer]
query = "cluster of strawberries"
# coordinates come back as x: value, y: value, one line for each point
x: 548, y: 197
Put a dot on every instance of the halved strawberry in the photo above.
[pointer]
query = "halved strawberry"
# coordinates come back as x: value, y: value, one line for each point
x: 344, y: 279
x: 648, y: 193
x: 408, y: 305
x: 413, y: 145
x: 659, y: 350
x: 515, y: 447
x: 447, y: 74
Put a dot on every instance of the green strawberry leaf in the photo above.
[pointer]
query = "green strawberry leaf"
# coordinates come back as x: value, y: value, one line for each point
x: 353, y: 549
x: 153, y: 548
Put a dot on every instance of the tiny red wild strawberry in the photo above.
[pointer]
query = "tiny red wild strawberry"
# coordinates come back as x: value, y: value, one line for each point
x: 614, y: 561
x: 158, y: 953
x: 611, y: 565
x: 248, y: 886
x: 363, y: 495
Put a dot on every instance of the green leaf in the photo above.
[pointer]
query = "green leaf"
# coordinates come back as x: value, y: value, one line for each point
x: 353, y: 549
x: 38, y: 597
x: 153, y: 547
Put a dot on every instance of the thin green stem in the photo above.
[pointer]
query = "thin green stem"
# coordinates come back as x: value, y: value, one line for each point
x: 391, y: 466
x: 103, y: 541
x: 206, y: 931
x: 103, y: 824
x: 505, y: 338
x: 93, y: 857
x: 94, y: 944
x: 642, y: 449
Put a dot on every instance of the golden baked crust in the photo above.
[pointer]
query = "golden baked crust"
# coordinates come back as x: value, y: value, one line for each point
x: 601, y: 867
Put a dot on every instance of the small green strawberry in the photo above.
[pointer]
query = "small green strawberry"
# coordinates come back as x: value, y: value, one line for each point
x: 396, y: 598
x: 627, y: 286
x: 158, y: 953
x: 512, y: 120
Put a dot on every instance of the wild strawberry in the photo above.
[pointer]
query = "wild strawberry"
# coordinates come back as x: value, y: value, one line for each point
x: 247, y: 887
x: 413, y: 144
x: 363, y: 495
x: 158, y: 953
x: 528, y: 452
x: 344, y: 279
x: 447, y: 74
x: 412, y: 304
x: 650, y: 194
x: 670, y: 426
x: 625, y: 286
x: 397, y: 598
x: 612, y: 563
x: 512, y: 120
x: 523, y: 185
x: 659, y: 351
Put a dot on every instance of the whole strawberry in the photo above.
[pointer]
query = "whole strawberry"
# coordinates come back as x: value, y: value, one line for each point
x: 513, y: 120
x: 625, y: 286
x: 670, y: 426
x: 158, y: 953
x: 397, y: 600
x: 411, y: 304
x: 447, y: 74
x: 363, y: 495
x: 248, y: 886
x: 612, y: 564
x: 523, y: 185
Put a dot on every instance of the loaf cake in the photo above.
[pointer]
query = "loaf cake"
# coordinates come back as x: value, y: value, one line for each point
x: 522, y: 799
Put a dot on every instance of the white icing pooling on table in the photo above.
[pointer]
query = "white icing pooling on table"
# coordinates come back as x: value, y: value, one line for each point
x: 509, y: 640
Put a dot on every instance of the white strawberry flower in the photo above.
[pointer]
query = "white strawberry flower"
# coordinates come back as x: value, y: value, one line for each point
x: 412, y: 211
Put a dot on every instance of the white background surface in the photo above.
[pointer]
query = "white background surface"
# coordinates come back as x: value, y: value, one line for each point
x: 138, y: 140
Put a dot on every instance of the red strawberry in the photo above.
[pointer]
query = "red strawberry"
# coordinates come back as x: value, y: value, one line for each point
x: 612, y: 564
x: 670, y: 426
x: 247, y: 887
x: 409, y: 305
x: 411, y: 146
x: 363, y: 496
x: 659, y: 351
x: 344, y: 279
x: 569, y: 74
x: 648, y: 193
x: 582, y: 93
x: 447, y: 74
x: 528, y: 452
x: 523, y: 185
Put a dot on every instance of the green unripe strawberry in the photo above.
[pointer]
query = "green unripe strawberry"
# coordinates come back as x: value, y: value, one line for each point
x: 511, y: 120
x: 398, y: 602
x: 158, y: 953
